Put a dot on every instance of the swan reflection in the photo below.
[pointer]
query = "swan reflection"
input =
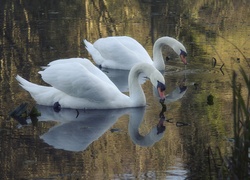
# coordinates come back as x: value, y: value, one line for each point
x: 77, y: 129
x: 175, y: 94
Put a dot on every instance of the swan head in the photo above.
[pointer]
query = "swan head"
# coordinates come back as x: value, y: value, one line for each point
x: 179, y: 49
x: 161, y: 89
x: 158, y: 82
x: 183, y: 55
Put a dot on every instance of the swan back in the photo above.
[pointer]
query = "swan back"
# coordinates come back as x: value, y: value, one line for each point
x: 76, y: 80
x: 87, y: 64
x: 117, y: 52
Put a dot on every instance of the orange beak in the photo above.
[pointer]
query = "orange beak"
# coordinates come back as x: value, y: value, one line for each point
x: 183, y: 59
x: 161, y: 93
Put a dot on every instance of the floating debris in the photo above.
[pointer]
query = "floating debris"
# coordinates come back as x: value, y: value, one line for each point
x: 196, y: 86
x: 180, y: 124
x: 221, y: 68
x: 21, y: 114
x: 214, y: 61
x: 169, y: 120
x: 238, y: 60
x: 21, y: 110
x: 34, y: 113
x: 210, y: 99
x: 231, y: 140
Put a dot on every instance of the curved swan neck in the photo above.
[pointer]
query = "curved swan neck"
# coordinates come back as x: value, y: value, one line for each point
x: 157, y: 50
x: 136, y: 93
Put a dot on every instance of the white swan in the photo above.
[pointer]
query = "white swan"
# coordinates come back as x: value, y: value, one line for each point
x: 78, y: 84
x: 123, y: 52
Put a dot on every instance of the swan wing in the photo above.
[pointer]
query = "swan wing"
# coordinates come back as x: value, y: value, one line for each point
x: 122, y: 50
x: 76, y: 80
x: 87, y: 64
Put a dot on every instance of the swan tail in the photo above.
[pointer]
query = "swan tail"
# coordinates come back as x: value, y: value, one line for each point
x: 37, y: 92
x: 96, y: 56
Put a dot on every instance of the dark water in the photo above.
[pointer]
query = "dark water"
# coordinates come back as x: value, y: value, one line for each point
x: 122, y: 144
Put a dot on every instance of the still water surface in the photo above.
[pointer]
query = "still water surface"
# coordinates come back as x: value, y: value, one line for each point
x: 122, y: 144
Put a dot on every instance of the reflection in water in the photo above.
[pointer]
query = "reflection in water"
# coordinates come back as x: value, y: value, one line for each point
x: 160, y: 127
x: 77, y: 129
x: 175, y: 94
x: 135, y: 121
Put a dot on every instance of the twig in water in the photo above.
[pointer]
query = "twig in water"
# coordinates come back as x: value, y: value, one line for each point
x: 214, y: 62
x: 221, y: 68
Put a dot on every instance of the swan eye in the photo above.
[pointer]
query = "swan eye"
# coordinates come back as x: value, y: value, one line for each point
x: 183, y: 53
x: 161, y: 86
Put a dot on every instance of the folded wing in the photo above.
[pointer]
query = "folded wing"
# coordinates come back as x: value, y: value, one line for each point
x: 74, y: 79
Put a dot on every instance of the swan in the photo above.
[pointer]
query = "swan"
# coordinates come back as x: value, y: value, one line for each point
x: 78, y: 84
x: 123, y: 52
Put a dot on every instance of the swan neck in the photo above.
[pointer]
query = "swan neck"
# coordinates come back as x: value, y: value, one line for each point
x: 157, y: 56
x: 136, y: 93
x: 157, y: 50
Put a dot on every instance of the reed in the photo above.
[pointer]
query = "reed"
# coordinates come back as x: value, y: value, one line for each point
x: 240, y: 162
x: 237, y: 165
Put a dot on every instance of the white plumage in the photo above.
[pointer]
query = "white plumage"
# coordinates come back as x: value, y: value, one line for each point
x: 123, y: 52
x: 77, y: 83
